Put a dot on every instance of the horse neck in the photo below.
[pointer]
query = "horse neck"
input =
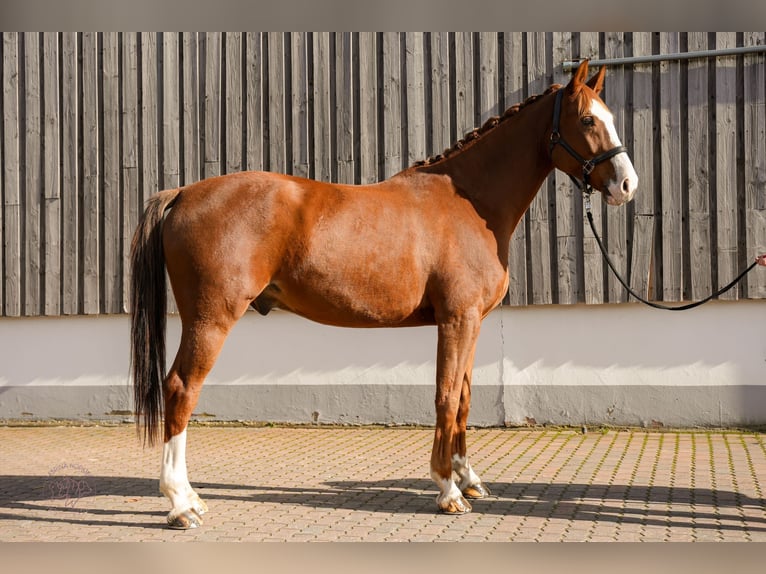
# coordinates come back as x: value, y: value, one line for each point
x: 502, y: 170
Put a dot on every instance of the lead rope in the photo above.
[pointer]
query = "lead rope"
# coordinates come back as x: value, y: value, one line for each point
x: 586, y: 194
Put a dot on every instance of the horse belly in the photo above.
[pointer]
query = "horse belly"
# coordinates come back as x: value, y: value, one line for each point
x: 347, y: 299
x: 354, y: 284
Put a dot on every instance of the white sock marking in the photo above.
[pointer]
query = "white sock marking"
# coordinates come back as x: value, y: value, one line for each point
x: 174, y: 482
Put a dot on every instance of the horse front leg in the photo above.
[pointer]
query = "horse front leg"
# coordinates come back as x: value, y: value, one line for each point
x: 456, y: 343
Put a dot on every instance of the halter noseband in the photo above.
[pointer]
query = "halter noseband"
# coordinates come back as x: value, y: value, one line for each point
x: 588, y: 165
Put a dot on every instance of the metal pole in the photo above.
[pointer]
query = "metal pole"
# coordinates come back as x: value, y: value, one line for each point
x: 571, y: 64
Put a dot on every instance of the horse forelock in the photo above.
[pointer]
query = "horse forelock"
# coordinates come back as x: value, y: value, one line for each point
x: 583, y: 97
x: 488, y: 126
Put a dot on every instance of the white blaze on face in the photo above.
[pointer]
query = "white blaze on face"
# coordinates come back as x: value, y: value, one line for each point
x: 622, y: 188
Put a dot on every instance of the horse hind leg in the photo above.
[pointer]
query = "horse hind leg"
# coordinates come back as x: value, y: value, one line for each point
x: 199, y: 348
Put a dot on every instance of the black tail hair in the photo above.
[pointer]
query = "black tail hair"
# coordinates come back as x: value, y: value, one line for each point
x: 148, y: 296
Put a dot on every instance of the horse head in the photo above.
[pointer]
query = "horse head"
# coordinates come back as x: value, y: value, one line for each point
x: 584, y: 142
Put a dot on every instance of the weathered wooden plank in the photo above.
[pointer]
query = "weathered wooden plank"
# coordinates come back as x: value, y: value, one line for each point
x: 211, y: 160
x: 150, y: 122
x: 755, y: 159
x: 513, y: 82
x: 277, y: 113
x: 112, y: 277
x: 615, y: 218
x: 699, y: 170
x: 513, y: 61
x: 344, y: 106
x: 190, y: 109
x: 415, y: 113
x: 392, y: 104
x: 488, y: 76
x: 132, y: 197
x: 642, y: 154
x: 322, y: 110
x: 2, y: 192
x: 12, y: 214
x: 51, y: 178
x: 464, y: 68
x: 91, y: 173
x: 70, y: 152
x: 594, y: 269
x: 300, y: 103
x: 670, y: 169
x: 171, y: 119
x: 254, y: 155
x: 440, y: 97
x: 149, y: 115
x: 234, y: 112
x: 539, y: 239
x: 726, y: 164
x: 368, y: 107
x: 254, y: 96
x: 32, y: 164
x: 567, y: 197
x: 171, y: 112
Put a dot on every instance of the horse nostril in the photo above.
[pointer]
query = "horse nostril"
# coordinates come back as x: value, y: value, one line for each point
x: 626, y: 185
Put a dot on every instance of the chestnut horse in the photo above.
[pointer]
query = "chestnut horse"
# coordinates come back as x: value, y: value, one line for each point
x: 429, y: 246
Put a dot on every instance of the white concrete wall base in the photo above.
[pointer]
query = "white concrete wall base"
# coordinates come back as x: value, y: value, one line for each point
x: 622, y: 365
x: 634, y: 406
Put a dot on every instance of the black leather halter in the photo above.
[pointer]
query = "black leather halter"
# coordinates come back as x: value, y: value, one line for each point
x: 588, y: 165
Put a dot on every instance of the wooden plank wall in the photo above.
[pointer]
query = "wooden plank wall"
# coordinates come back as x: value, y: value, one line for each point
x: 94, y: 123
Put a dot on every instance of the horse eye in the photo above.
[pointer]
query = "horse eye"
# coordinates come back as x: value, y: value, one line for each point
x: 588, y: 120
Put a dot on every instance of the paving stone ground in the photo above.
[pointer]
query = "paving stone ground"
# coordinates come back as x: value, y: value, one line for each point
x: 97, y: 483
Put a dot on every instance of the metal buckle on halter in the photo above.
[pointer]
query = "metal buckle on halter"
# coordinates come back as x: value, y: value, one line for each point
x: 588, y: 166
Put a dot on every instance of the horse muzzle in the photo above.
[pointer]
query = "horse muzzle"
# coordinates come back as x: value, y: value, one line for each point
x: 623, y: 187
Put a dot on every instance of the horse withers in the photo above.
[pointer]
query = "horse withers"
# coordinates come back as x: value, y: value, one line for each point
x: 428, y: 246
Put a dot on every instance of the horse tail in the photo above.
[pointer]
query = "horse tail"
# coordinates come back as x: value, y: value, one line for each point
x: 148, y: 296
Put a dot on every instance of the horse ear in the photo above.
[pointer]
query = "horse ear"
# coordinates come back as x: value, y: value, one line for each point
x: 596, y: 83
x: 578, y: 80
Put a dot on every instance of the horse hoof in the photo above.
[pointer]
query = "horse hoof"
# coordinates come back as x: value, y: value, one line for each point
x: 456, y: 507
x: 185, y: 520
x: 476, y: 491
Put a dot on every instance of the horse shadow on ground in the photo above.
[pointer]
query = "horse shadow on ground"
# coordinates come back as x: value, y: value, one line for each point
x: 699, y: 508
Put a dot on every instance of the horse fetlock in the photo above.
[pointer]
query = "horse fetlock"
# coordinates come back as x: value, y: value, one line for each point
x: 470, y: 484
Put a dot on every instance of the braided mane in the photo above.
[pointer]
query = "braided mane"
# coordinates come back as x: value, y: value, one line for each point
x: 490, y: 124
